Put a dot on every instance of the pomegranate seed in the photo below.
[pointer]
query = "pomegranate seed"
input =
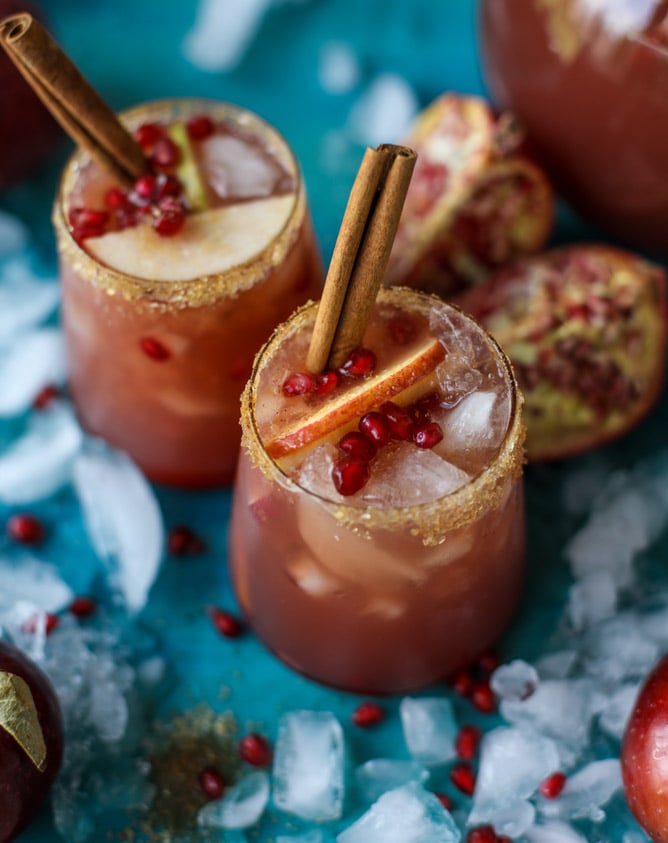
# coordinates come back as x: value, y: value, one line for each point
x: 225, y: 623
x: 154, y: 349
x: 356, y: 444
x: 360, y: 362
x: 367, y: 714
x: 86, y: 223
x: 462, y: 682
x: 212, y: 783
x: 489, y: 661
x: 50, y: 623
x: 481, y: 834
x: 182, y: 541
x: 400, y: 423
x: 552, y: 786
x: 467, y: 742
x: 148, y: 134
x: 482, y: 697
x: 349, y: 475
x: 375, y: 427
x: 255, y: 750
x: 167, y: 185
x: 200, y: 127
x: 165, y: 153
x: 144, y: 187
x: 115, y: 199
x: 445, y: 801
x: 463, y: 778
x: 45, y: 396
x: 421, y: 408
x: 326, y: 382
x: 503, y: 838
x: 170, y: 218
x: 82, y: 607
x: 298, y: 383
x: 24, y: 528
x: 427, y: 435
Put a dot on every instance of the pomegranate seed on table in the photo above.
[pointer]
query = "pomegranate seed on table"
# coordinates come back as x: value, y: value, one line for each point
x: 183, y: 541
x: 360, y: 362
x: 82, y: 607
x: 445, y: 801
x: 552, y: 786
x: 467, y: 742
x: 51, y: 621
x: 298, y: 383
x: 45, y: 396
x: 482, y: 834
x: 24, y: 528
x: 463, y: 777
x: 356, y: 444
x: 212, y: 783
x: 225, y: 622
x: 349, y: 475
x: 367, y: 714
x: 255, y: 750
x: 375, y: 427
x: 462, y: 682
x: 482, y: 696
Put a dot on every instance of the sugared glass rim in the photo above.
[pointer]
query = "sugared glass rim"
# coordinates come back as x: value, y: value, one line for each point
x: 430, y: 521
x: 204, y: 289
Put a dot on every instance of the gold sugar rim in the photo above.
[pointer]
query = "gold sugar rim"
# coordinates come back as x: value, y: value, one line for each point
x: 430, y: 521
x: 205, y: 289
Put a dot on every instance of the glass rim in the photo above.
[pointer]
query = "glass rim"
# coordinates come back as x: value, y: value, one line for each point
x: 429, y: 520
x: 204, y: 289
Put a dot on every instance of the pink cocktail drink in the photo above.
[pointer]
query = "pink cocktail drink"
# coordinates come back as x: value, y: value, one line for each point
x: 381, y: 568
x: 171, y: 286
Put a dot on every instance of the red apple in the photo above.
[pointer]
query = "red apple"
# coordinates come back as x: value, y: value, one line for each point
x: 27, y: 131
x: 31, y: 739
x: 645, y: 755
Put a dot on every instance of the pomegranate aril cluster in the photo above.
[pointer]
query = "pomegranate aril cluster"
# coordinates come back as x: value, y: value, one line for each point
x: 157, y: 194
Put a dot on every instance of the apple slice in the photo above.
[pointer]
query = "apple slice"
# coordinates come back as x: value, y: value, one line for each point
x: 402, y: 382
x: 210, y: 242
x: 187, y: 171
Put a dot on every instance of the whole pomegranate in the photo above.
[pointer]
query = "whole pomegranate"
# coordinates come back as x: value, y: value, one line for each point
x: 31, y: 739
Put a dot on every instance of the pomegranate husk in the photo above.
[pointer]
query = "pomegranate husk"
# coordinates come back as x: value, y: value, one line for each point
x: 475, y: 203
x: 585, y: 329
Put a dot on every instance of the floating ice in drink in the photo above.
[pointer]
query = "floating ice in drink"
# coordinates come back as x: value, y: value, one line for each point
x: 380, y: 567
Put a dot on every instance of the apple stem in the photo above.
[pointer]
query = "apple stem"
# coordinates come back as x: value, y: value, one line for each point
x: 361, y: 254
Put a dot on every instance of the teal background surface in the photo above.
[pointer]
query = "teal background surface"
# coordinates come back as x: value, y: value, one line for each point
x: 131, y: 50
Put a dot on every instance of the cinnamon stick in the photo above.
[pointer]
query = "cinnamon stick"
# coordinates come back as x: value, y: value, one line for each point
x: 360, y: 255
x: 71, y: 99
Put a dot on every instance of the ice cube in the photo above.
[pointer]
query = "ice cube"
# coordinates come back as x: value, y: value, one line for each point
x: 469, y: 424
x: 379, y: 775
x: 513, y: 762
x: 429, y: 728
x: 222, y: 32
x: 553, y: 832
x: 616, y: 650
x: 310, y: 576
x: 241, y: 806
x: 556, y: 665
x: 592, y: 599
x: 338, y: 67
x: 32, y: 361
x: 516, y: 680
x: 308, y: 770
x: 384, y: 111
x: 561, y: 709
x: 25, y: 300
x: 238, y: 170
x: 403, y: 475
x: 39, y: 462
x: 408, y: 814
x: 13, y: 234
x: 514, y: 819
x: 122, y: 517
x: 615, y: 714
x: 31, y: 580
x: 585, y: 792
x: 315, y: 473
x: 313, y: 836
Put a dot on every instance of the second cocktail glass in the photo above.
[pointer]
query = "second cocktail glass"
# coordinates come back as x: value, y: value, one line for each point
x: 162, y: 330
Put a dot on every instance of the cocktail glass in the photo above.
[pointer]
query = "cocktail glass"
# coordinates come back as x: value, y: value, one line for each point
x: 391, y: 587
x: 161, y: 331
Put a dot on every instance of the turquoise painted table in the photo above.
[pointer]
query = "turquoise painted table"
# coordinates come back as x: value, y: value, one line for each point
x: 131, y: 50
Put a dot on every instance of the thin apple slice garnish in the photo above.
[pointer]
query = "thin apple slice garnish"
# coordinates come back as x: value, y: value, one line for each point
x: 402, y: 382
x: 187, y: 170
